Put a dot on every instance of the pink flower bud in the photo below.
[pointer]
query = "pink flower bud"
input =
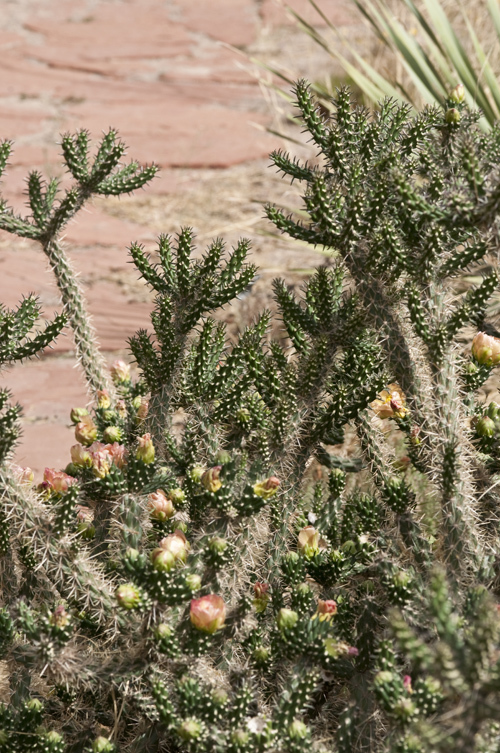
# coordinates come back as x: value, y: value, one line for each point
x: 101, y: 460
x: 80, y: 456
x: 160, y: 507
x: 486, y: 349
x: 145, y: 450
x: 407, y: 684
x: 59, y: 617
x: 120, y: 372
x: 210, y: 479
x: 103, y: 399
x: 326, y: 609
x: 177, y: 544
x: 208, y: 614
x: 260, y: 590
x: 266, y: 488
x: 390, y: 403
x: 85, y: 431
x: 57, y: 481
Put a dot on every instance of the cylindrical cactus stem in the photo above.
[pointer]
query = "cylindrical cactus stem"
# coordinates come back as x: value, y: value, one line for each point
x: 93, y: 363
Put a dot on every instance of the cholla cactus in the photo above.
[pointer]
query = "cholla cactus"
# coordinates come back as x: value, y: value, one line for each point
x: 281, y: 575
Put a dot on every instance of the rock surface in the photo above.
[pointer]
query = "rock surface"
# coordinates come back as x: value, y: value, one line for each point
x: 170, y: 76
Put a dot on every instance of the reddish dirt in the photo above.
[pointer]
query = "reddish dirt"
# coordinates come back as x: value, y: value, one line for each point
x: 169, y: 75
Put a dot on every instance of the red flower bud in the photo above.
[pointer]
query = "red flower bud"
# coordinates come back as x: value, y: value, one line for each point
x: 210, y: 479
x: 266, y: 488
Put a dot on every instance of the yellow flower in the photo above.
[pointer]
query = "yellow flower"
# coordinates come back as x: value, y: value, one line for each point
x: 391, y: 403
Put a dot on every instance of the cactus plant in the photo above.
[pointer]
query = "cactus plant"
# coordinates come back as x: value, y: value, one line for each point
x: 312, y: 561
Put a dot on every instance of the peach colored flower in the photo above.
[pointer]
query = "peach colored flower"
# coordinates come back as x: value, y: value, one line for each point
x: 208, y: 614
x: 486, y: 349
x: 391, y: 403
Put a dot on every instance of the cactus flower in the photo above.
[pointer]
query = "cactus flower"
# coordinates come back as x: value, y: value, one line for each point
x: 177, y: 544
x: 145, y: 450
x: 121, y: 408
x: 160, y: 506
x: 407, y: 684
x: 141, y: 405
x: 486, y: 349
x: 59, y: 617
x: 120, y: 372
x: 326, y: 609
x: 128, y: 596
x: 452, y: 116
x: 208, y: 613
x: 85, y: 431
x: 193, y: 582
x: 189, y: 730
x: 310, y: 542
x: 266, y: 488
x: 390, y: 402
x: 210, y: 479
x: 118, y: 453
x: 80, y: 456
x: 103, y: 399
x: 57, y: 481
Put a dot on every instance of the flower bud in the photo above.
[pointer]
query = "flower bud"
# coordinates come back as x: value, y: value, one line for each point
x: 261, y: 599
x: 145, y: 450
x: 219, y: 697
x: 162, y: 560
x: 286, y: 619
x: 121, y: 408
x: 326, y: 609
x: 25, y: 476
x: 210, y: 479
x: 102, y: 745
x: 177, y: 544
x: 336, y: 649
x: 240, y: 737
x: 452, y: 116
x: 57, y: 481
x: 485, y: 427
x: 298, y: 730
x: 77, y: 414
x: 407, y: 684
x: 118, y: 454
x: 196, y: 473
x: 120, y: 372
x: 84, y: 523
x: 493, y: 410
x: 85, y: 431
x: 486, y: 349
x: 128, y: 596
x: 404, y: 709
x: 160, y: 507
x: 103, y: 399
x: 193, y: 582
x: 112, y: 434
x: 141, y: 404
x: 189, y: 730
x: 59, y: 617
x: 217, y: 545
x: 260, y: 655
x: 457, y: 94
x: 266, y: 488
x: 223, y: 457
x: 80, y: 456
x: 208, y: 614
x: 163, y: 631
x: 52, y: 740
x: 390, y: 402
x: 177, y: 496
